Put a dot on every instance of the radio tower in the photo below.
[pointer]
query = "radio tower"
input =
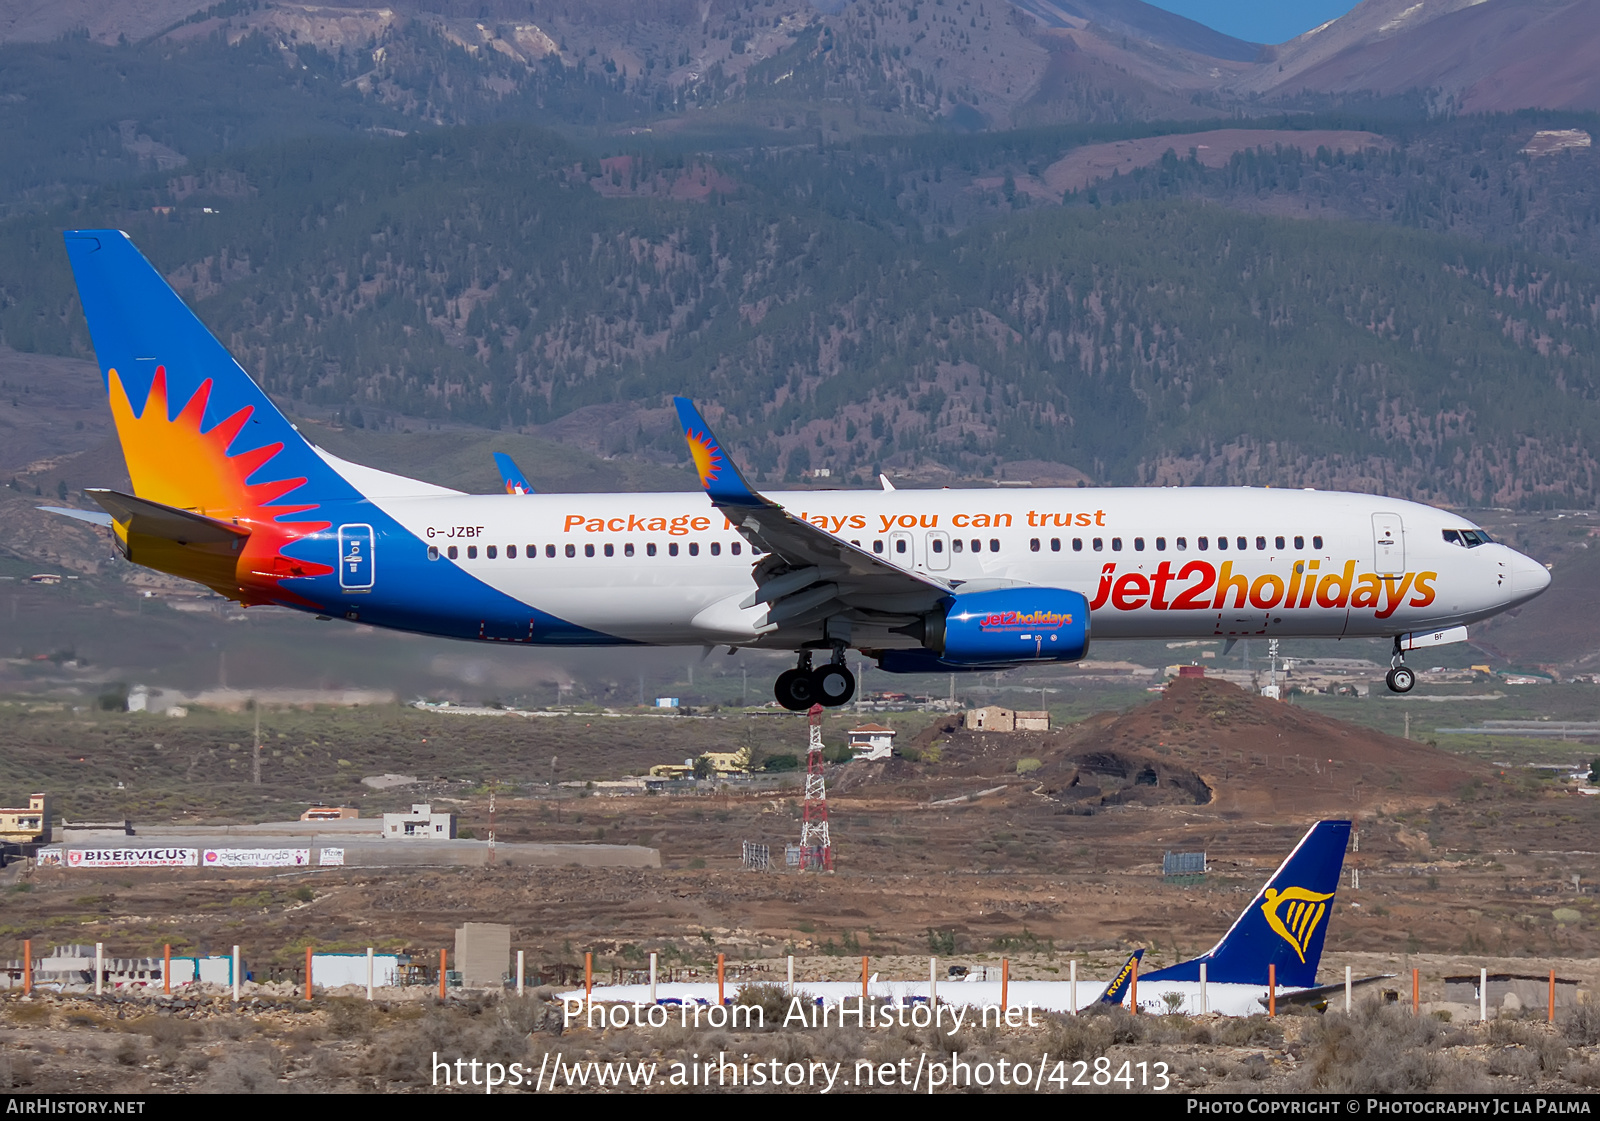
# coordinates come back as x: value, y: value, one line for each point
x: 816, y: 850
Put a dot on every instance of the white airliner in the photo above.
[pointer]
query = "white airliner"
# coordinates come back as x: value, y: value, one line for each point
x: 228, y: 493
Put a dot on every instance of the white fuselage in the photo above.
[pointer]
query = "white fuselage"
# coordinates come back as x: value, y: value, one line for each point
x: 668, y: 568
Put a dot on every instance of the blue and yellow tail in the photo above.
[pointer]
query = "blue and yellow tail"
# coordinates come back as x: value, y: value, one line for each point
x: 1284, y: 925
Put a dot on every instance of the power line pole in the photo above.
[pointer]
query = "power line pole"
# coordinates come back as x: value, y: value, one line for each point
x: 255, y: 760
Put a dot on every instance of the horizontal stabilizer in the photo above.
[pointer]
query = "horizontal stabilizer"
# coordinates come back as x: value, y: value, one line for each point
x: 1318, y: 996
x: 144, y: 518
x: 93, y: 517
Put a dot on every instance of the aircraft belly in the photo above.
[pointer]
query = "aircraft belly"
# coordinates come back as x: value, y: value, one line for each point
x: 631, y: 606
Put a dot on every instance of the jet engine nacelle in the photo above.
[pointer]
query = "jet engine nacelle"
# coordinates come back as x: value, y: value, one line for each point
x: 1009, y: 626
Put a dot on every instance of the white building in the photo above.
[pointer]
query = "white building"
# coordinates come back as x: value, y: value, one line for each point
x: 421, y: 824
x: 871, y: 741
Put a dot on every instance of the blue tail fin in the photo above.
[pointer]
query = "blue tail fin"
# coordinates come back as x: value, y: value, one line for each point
x: 1118, y: 989
x: 511, y: 475
x: 1284, y: 925
x: 196, y: 432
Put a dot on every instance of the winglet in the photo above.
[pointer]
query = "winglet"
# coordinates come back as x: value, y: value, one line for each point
x: 515, y: 481
x: 722, y: 480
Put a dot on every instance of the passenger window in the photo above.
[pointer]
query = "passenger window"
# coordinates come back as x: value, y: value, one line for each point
x: 956, y: 546
x: 694, y: 548
x: 1055, y: 544
x: 1261, y: 544
x: 1183, y: 544
x: 453, y: 552
x: 491, y: 552
x: 900, y: 545
x: 877, y: 546
x: 977, y: 546
x: 1222, y: 542
x: 549, y: 550
x: 572, y: 550
x: 1099, y: 544
x: 737, y: 545
x: 531, y: 552
x: 716, y: 548
x: 1242, y: 542
x: 1116, y: 544
x: 588, y: 550
x: 511, y: 552
x: 472, y: 552
x: 650, y: 549
x: 1161, y: 544
x: 433, y: 552
x: 672, y: 548
x: 1299, y: 542
x: 1077, y: 544
x: 1316, y: 543
x: 627, y: 549
x: 1138, y: 544
x: 937, y: 545
x: 1033, y: 545
x: 1278, y: 543
x: 994, y: 544
x: 611, y: 550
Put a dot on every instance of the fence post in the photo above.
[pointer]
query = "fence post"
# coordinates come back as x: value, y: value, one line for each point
x: 166, y: 969
x: 522, y: 968
x: 721, y: 999
x: 444, y: 961
x: 1483, y: 995
x: 1552, y: 1016
x: 27, y: 967
x: 791, y: 974
x: 1348, y: 988
x: 1133, y: 991
x: 1416, y: 992
x: 369, y: 973
x: 653, y: 977
x: 1005, y: 984
x: 1272, y: 988
x: 1205, y: 1003
x: 100, y: 966
x: 933, y: 982
x: 235, y: 974
x: 308, y: 972
x: 588, y: 975
x: 1072, y: 980
x: 863, y: 982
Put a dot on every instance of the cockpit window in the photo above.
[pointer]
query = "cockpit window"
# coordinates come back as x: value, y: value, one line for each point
x: 1467, y: 538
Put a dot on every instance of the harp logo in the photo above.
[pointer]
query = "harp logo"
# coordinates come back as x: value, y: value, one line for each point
x: 1294, y: 914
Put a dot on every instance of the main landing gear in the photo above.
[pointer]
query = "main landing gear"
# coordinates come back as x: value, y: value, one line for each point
x: 1400, y: 679
x: 830, y: 685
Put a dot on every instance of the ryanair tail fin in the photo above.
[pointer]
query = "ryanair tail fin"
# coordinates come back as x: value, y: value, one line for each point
x: 197, y: 433
x: 1117, y: 991
x: 1284, y: 925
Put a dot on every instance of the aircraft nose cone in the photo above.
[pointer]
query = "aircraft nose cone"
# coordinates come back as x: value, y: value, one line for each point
x: 1528, y: 577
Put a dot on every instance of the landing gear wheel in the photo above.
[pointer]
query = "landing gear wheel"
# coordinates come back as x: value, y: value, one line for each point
x: 1401, y: 679
x: 833, y: 685
x: 795, y: 690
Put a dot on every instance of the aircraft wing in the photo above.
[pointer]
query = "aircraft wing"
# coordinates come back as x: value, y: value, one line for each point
x: 809, y: 573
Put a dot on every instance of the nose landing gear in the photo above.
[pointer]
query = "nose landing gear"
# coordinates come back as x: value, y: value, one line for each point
x: 1400, y: 678
x: 832, y: 684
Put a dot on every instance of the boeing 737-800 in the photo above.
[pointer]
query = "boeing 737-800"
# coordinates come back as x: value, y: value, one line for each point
x: 227, y: 492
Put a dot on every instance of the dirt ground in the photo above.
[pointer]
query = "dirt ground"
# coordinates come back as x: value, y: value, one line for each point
x: 1038, y: 848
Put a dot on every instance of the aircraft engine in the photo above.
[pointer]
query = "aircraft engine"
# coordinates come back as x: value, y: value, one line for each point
x: 1009, y: 626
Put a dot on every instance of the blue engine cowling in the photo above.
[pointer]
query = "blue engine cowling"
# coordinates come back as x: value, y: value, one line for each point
x: 1011, y: 626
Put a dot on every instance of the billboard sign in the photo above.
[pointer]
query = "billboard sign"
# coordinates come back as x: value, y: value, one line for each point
x: 256, y: 858
x: 132, y: 858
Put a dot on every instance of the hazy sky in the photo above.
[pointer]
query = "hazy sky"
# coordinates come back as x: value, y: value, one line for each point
x: 1259, y: 21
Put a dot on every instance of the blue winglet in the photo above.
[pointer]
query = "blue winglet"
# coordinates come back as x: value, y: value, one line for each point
x: 511, y: 475
x: 715, y: 467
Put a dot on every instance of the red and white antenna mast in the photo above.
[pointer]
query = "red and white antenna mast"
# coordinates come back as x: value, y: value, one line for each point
x: 816, y: 850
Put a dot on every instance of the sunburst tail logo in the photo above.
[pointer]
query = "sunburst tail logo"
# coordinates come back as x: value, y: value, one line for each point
x: 707, y: 456
x: 176, y: 461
